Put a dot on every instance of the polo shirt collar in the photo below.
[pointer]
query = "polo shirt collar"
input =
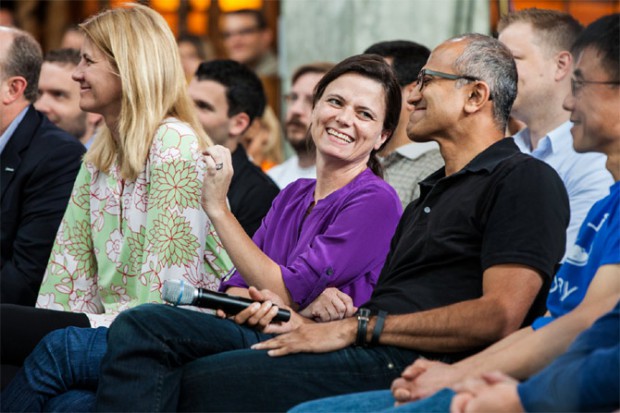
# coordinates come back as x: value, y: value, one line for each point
x: 486, y: 160
x: 239, y: 157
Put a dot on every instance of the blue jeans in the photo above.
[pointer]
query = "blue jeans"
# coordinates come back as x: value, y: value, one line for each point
x: 162, y: 358
x: 377, y: 401
x: 64, y: 360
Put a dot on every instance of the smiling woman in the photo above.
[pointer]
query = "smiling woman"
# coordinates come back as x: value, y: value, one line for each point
x: 134, y: 218
x: 319, y: 250
x: 311, y: 238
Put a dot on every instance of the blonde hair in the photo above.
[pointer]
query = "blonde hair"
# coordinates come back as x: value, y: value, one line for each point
x: 143, y: 52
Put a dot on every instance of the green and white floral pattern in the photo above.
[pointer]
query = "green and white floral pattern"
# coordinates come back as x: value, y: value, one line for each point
x: 119, y: 240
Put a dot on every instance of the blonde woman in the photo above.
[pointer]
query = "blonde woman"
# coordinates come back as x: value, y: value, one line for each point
x: 134, y: 218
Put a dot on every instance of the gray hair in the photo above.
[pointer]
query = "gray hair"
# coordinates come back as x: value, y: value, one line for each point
x: 490, y: 61
x: 24, y: 58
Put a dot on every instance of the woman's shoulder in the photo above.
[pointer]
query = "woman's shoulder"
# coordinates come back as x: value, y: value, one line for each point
x: 298, y: 188
x: 175, y: 127
x: 174, y: 140
x: 368, y: 182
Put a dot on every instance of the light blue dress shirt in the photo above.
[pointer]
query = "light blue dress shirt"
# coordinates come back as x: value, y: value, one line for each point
x: 6, y: 136
x: 584, y: 174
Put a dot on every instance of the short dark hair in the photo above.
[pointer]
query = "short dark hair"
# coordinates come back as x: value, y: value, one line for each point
x: 198, y: 44
x: 373, y: 67
x: 557, y: 30
x: 408, y: 58
x: 259, y: 17
x: 63, y: 56
x: 604, y: 36
x: 244, y: 90
x: 316, y: 67
x: 24, y: 58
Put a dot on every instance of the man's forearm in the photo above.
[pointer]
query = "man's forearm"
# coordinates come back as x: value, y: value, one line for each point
x: 527, y: 356
x: 458, y: 327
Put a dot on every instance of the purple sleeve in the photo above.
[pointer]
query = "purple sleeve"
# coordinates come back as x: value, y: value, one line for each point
x: 235, y: 279
x: 353, y: 246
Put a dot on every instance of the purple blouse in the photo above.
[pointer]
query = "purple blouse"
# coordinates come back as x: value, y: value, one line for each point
x: 342, y: 243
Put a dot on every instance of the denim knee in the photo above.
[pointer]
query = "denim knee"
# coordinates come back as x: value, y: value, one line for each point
x: 134, y: 320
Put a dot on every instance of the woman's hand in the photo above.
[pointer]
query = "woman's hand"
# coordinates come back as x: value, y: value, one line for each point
x: 216, y: 179
x: 331, y: 305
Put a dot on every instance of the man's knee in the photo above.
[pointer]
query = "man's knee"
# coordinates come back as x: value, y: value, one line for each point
x: 134, y: 320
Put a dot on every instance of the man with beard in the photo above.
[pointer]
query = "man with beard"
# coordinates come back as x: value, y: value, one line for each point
x: 299, y: 108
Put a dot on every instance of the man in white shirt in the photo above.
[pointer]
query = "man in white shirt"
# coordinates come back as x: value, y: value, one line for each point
x: 540, y: 41
x: 298, y: 111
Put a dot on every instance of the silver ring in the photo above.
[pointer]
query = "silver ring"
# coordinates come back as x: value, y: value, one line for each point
x: 219, y: 166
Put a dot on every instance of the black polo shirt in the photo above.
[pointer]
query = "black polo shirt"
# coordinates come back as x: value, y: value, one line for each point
x: 251, y: 192
x: 504, y: 207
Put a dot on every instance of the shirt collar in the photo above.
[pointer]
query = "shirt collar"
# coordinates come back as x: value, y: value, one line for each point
x: 556, y: 139
x: 239, y: 157
x: 6, y: 136
x: 414, y: 150
x: 486, y: 160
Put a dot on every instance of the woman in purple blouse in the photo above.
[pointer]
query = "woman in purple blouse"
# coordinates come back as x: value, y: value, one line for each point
x: 323, y: 243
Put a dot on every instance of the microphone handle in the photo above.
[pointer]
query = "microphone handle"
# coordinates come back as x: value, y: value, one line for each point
x: 231, y: 304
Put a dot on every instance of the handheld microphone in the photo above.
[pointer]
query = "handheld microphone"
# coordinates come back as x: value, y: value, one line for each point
x: 178, y: 292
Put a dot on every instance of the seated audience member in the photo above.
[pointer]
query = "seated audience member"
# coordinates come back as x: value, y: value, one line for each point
x: 193, y: 50
x: 134, y: 218
x: 298, y: 113
x: 263, y: 140
x: 310, y: 249
x: 228, y: 97
x: 540, y: 42
x: 39, y: 165
x: 587, y: 285
x: 584, y: 379
x: 470, y: 248
x: 247, y: 39
x: 406, y: 163
x: 59, y: 96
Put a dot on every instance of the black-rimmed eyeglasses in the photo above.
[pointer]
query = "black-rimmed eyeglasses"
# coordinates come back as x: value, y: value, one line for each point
x: 426, y: 75
x: 577, y: 84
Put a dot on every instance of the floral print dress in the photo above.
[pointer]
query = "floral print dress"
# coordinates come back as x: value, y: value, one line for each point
x: 120, y: 239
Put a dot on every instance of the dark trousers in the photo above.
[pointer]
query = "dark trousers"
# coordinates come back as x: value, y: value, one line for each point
x: 162, y: 358
x: 21, y: 329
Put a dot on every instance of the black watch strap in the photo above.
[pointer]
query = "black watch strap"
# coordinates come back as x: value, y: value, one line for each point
x: 376, y: 332
x: 363, y: 315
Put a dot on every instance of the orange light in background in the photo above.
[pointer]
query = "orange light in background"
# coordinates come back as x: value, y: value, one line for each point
x: 199, y: 5
x: 164, y: 6
x: 197, y: 23
x: 117, y: 3
x: 173, y: 22
x: 232, y: 5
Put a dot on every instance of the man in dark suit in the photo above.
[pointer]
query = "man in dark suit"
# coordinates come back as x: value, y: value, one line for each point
x: 228, y: 96
x: 38, y: 164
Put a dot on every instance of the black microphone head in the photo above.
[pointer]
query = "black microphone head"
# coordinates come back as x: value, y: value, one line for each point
x: 178, y: 292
